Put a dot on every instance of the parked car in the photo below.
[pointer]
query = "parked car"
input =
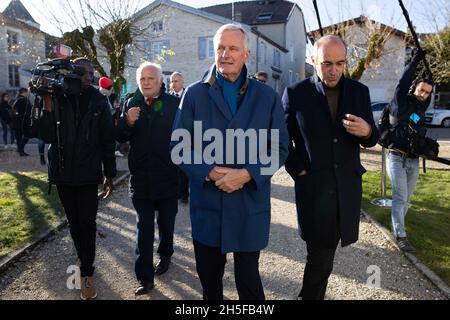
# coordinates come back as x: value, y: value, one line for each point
x: 438, y: 116
x: 377, y: 108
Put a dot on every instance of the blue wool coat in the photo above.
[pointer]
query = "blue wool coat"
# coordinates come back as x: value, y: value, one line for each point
x: 240, y: 221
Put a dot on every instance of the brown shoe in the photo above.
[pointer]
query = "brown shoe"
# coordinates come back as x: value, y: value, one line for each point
x: 88, y: 291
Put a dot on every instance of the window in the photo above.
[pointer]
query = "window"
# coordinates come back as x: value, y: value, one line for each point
x: 264, y: 17
x: 262, y: 53
x: 159, y: 48
x: 276, y: 58
x: 206, y: 48
x: 157, y: 26
x: 129, y: 55
x: 13, y: 72
x: 211, y: 51
x: 12, y: 40
x: 155, y: 50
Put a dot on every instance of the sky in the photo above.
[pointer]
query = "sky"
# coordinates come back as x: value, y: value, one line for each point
x: 427, y: 16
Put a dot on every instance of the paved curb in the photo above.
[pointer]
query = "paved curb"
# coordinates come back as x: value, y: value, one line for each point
x: 434, y: 278
x: 14, y: 256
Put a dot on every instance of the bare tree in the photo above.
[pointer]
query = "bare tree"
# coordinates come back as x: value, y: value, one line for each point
x: 366, y: 38
x: 101, y: 30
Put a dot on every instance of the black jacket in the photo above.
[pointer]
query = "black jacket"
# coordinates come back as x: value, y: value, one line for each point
x: 5, y: 110
x: 153, y: 174
x: 329, y: 197
x: 19, y: 107
x: 87, y: 140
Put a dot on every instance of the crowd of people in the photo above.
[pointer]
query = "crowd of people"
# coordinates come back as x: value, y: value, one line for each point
x: 315, y: 129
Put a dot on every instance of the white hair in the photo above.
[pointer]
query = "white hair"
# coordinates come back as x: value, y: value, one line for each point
x: 176, y: 73
x: 232, y: 26
x: 145, y: 65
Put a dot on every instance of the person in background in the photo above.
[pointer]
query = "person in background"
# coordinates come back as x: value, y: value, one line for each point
x: 177, y: 89
x: 19, y: 112
x: 105, y: 87
x: 262, y: 77
x: 5, y: 119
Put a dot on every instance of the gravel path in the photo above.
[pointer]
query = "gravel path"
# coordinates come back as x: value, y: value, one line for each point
x: 42, y: 273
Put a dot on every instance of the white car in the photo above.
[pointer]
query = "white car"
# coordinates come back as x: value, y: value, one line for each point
x: 438, y: 117
x: 377, y: 108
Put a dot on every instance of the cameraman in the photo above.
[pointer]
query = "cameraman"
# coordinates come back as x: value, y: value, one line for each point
x: 407, y: 108
x: 86, y: 142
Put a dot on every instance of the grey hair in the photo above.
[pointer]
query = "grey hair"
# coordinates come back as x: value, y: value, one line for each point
x: 145, y: 65
x: 176, y: 73
x: 232, y: 26
x: 325, y: 39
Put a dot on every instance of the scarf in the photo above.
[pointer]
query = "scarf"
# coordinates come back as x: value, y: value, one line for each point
x: 230, y: 90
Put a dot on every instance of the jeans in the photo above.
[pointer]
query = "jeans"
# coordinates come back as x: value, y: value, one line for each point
x: 41, y: 147
x: 403, y: 175
x: 5, y: 133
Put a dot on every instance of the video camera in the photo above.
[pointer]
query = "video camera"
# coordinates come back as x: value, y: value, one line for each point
x: 55, y: 77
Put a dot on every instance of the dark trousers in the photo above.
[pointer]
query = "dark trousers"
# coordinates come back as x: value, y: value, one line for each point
x: 80, y: 205
x: 167, y: 211
x: 319, y: 265
x: 21, y: 140
x: 41, y: 147
x: 210, y: 262
x: 183, y: 185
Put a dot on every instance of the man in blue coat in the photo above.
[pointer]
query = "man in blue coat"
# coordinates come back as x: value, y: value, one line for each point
x: 328, y: 118
x: 230, y: 185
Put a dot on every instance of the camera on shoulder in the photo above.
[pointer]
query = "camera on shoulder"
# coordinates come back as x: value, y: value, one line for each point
x: 56, y: 77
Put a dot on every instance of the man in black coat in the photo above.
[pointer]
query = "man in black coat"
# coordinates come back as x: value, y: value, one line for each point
x: 20, y: 108
x: 177, y: 89
x: 85, y: 143
x: 328, y: 117
x: 147, y: 123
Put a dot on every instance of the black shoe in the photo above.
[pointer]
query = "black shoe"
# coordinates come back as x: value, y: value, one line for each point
x: 162, y: 266
x: 404, y: 245
x: 23, y: 154
x: 185, y: 200
x: 144, y: 288
x: 43, y: 160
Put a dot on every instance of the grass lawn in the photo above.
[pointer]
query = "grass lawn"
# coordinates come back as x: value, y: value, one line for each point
x: 25, y: 208
x: 427, y: 221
